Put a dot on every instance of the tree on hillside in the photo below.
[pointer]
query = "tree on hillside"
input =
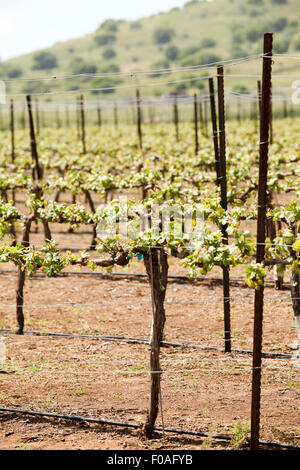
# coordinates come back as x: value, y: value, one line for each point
x: 136, y: 25
x: 200, y: 58
x: 172, y: 53
x: 104, y: 39
x: 14, y: 72
x: 44, y: 61
x: 109, y: 53
x: 208, y: 42
x: 190, y: 3
x: 109, y: 25
x: 79, y: 66
x: 279, y: 2
x: 281, y: 46
x: 296, y: 44
x: 163, y: 35
x: 255, y: 2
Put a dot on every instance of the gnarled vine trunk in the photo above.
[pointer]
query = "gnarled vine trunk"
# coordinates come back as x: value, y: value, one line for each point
x: 156, y: 263
x: 295, y: 294
x: 21, y: 281
x: 295, y: 286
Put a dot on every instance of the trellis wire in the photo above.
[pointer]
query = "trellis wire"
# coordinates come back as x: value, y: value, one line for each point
x: 226, y: 63
x: 229, y: 62
x: 130, y: 339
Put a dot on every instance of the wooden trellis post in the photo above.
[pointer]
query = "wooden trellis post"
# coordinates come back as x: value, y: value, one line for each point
x: 261, y: 237
x: 157, y: 269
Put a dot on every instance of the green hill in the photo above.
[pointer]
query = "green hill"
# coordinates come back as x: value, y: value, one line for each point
x: 199, y: 33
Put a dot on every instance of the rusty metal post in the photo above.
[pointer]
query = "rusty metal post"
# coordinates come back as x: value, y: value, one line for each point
x: 82, y: 124
x: 196, y: 124
x: 37, y: 171
x: 223, y: 186
x: 99, y: 116
x: 201, y: 115
x: 115, y: 115
x: 214, y: 127
x: 139, y: 118
x: 261, y: 229
x: 205, y: 117
x: 239, y: 109
x: 78, y: 117
x: 176, y: 117
x: 12, y: 130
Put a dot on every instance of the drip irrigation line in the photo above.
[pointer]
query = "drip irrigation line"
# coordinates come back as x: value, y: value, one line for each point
x: 132, y: 339
x: 134, y: 426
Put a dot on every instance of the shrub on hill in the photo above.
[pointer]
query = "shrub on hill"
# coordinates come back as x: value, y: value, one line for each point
x: 44, y: 61
x: 104, y: 39
x: 109, y: 53
x: 163, y: 35
x: 172, y: 53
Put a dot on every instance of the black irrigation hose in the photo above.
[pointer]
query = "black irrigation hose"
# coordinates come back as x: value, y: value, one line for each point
x: 71, y: 417
x: 136, y: 426
x: 133, y: 339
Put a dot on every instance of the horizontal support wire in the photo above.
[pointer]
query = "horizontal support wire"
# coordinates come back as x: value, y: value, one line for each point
x: 227, y: 63
x: 112, y: 276
x: 136, y: 73
x: 125, y: 362
x: 130, y: 339
x: 58, y: 105
x: 146, y: 85
x: 138, y: 372
x: 119, y: 87
x: 137, y: 302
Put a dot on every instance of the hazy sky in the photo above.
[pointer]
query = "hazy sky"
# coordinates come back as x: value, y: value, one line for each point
x: 27, y: 25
